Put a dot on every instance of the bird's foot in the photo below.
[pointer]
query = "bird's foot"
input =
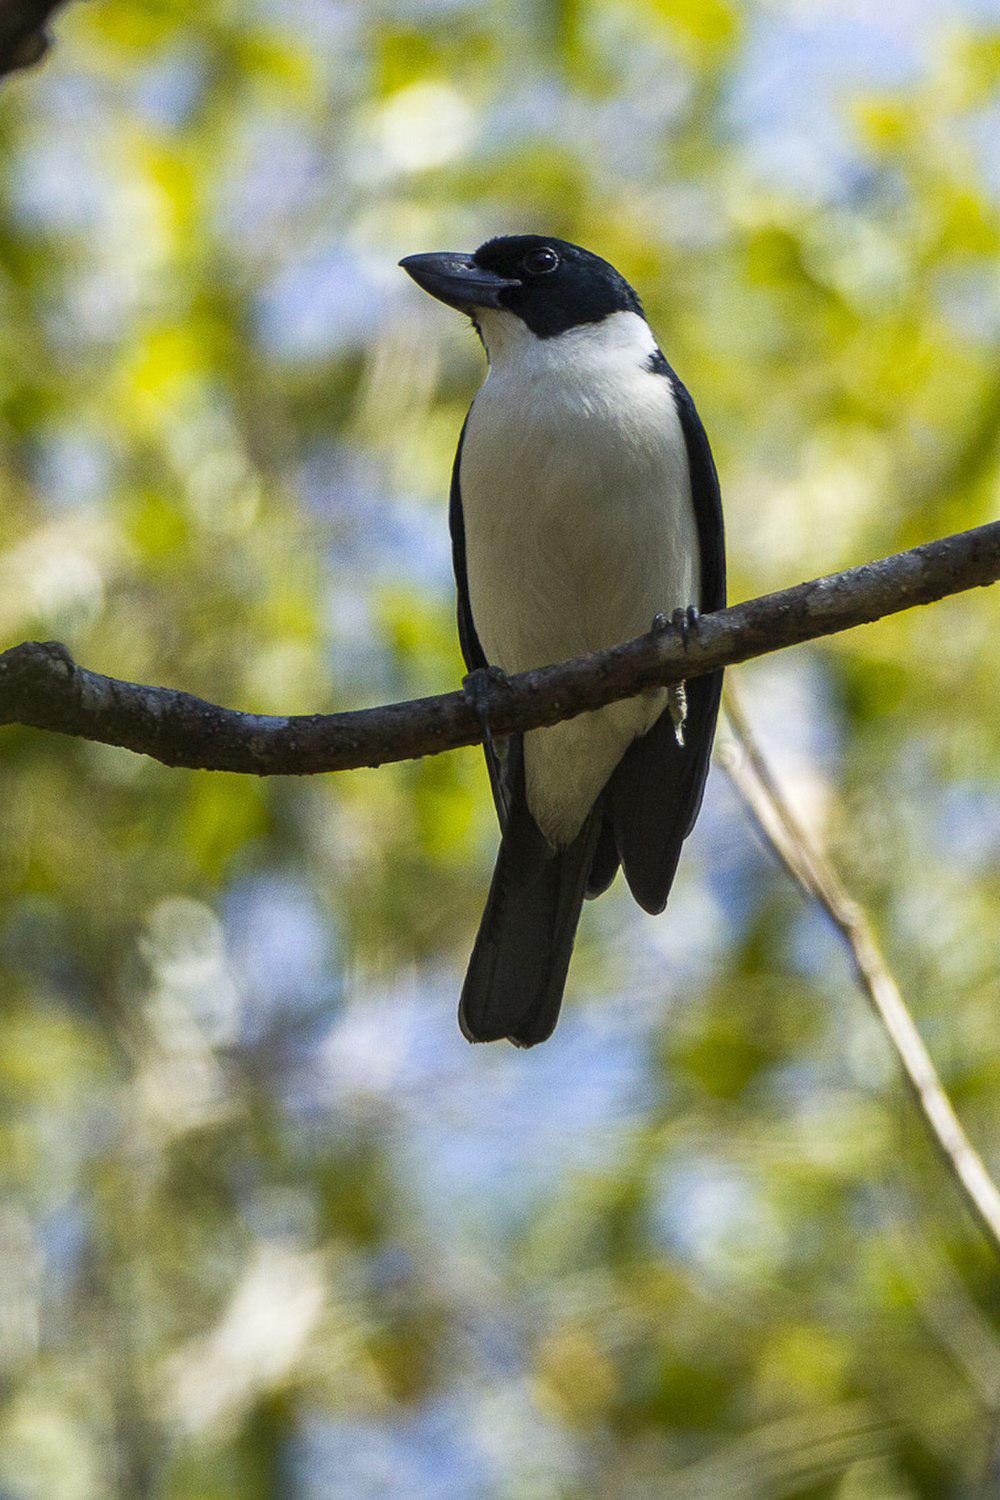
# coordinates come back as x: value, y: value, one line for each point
x: 477, y: 689
x: 678, y: 705
x: 684, y: 621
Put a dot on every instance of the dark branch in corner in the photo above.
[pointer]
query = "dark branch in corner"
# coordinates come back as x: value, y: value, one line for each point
x: 24, y: 38
x: 41, y: 686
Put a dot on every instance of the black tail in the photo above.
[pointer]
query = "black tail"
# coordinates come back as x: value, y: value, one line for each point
x: 655, y: 793
x: 517, y: 973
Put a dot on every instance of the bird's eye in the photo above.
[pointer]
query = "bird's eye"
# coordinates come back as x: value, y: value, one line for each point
x: 539, y: 262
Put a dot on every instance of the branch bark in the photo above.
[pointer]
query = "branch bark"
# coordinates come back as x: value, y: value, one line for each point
x: 24, y: 38
x: 41, y: 686
x: 810, y: 867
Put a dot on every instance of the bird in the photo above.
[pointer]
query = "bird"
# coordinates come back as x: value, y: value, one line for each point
x: 584, y: 511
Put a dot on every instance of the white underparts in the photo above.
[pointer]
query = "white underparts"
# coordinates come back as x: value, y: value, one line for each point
x: 579, y: 528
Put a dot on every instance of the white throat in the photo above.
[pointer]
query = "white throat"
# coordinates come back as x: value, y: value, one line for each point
x: 621, y: 336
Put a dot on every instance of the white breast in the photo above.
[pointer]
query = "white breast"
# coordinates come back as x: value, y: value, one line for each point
x: 579, y: 527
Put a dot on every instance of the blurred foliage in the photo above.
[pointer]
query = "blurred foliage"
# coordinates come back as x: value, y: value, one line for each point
x: 268, y: 1226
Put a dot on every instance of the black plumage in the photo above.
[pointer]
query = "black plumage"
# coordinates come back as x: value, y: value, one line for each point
x: 648, y: 805
x: 514, y: 984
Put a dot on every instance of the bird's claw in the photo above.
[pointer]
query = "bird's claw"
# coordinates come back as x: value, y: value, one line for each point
x: 477, y: 689
x: 686, y: 622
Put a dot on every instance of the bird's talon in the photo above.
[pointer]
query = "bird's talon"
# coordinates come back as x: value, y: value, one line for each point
x: 659, y: 623
x: 686, y: 622
x: 477, y: 688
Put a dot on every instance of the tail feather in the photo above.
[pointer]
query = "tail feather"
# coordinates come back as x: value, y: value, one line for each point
x: 656, y: 790
x: 604, y: 866
x: 517, y: 973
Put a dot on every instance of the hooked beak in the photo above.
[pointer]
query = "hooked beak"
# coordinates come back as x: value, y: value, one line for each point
x: 456, y: 280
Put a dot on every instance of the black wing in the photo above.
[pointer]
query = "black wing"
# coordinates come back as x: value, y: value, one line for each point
x: 472, y: 652
x: 655, y: 793
x: 707, y: 499
x: 517, y: 971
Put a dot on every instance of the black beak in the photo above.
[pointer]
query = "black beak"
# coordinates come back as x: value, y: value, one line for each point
x: 456, y: 279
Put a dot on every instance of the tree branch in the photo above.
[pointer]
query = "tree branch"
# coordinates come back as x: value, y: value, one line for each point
x: 24, y: 39
x: 811, y: 869
x: 41, y: 686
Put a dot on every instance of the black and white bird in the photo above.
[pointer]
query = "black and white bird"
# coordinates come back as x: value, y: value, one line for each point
x: 585, y: 510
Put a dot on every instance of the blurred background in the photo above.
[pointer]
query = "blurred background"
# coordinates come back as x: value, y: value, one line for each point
x: 268, y: 1226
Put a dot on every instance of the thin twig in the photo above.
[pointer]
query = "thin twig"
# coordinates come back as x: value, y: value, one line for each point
x: 806, y: 862
x: 40, y: 685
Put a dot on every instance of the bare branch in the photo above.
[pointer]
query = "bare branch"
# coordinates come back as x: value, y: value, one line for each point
x: 41, y: 686
x: 809, y: 866
x: 24, y: 39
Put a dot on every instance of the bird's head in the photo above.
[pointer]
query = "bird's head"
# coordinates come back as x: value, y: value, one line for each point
x: 546, y: 284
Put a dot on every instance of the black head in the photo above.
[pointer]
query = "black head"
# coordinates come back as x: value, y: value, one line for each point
x: 549, y: 284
